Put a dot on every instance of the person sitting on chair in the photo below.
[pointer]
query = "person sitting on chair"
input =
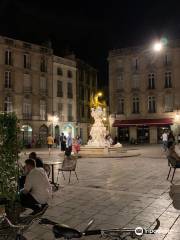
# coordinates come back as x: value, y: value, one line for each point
x: 172, y: 153
x: 39, y: 161
x: 37, y: 188
x: 39, y: 164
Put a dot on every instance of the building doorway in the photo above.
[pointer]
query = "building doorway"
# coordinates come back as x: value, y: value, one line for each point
x: 43, y: 134
x: 143, y: 134
x: 123, y: 134
x: 26, y: 131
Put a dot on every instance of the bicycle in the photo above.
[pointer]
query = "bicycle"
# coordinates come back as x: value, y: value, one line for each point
x: 8, y: 230
x: 64, y: 231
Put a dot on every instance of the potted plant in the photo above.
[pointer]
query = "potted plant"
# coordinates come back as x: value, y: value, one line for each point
x: 9, y: 148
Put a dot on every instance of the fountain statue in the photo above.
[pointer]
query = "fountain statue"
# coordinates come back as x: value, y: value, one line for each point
x: 98, y: 131
x: 98, y: 142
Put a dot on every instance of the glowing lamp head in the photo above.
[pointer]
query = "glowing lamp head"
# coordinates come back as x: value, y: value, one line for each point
x: 99, y: 94
x: 157, y: 47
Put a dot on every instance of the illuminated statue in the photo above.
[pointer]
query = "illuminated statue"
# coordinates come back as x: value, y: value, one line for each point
x: 94, y: 101
x: 98, y: 131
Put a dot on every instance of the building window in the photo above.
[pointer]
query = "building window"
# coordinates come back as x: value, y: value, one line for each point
x: 151, y: 81
x: 120, y: 107
x: 60, y: 108
x: 69, y: 74
x: 151, y: 104
x: 27, y: 82
x: 70, y: 118
x: 135, y: 105
x: 69, y: 90
x: 120, y: 81
x: 8, y: 104
x: 27, y: 62
x: 82, y: 110
x: 168, y: 80
x: 42, y: 110
x: 59, y: 89
x: 7, y: 79
x: 8, y: 57
x: 59, y: 71
x: 43, y: 65
x: 43, y: 83
x: 168, y: 103
x: 135, y: 63
x: 60, y: 111
x: 167, y: 59
x: 135, y: 81
x: 26, y: 109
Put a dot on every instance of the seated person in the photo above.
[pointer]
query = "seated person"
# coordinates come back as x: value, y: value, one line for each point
x: 37, y: 188
x: 39, y: 162
x: 172, y: 153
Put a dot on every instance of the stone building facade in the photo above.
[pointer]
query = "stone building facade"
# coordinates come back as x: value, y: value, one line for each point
x: 64, y: 96
x: 144, y: 91
x: 26, y: 86
x: 49, y: 94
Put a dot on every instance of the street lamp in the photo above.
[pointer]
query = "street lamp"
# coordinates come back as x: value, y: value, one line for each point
x: 157, y: 47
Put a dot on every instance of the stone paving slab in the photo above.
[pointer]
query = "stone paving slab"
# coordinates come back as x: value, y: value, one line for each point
x: 126, y: 192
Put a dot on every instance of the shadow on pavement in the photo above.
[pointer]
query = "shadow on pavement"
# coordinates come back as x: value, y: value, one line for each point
x: 174, y: 193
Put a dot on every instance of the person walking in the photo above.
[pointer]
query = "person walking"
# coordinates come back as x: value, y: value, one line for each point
x: 50, y: 142
x: 164, y: 138
x: 69, y: 143
x: 63, y: 142
x: 171, y: 137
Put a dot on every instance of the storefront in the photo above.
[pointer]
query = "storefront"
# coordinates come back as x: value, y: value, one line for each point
x: 142, y: 130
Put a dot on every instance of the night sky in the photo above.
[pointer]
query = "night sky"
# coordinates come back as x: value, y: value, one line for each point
x: 90, y: 28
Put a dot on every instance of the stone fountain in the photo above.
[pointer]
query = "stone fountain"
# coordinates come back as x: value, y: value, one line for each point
x: 98, y: 144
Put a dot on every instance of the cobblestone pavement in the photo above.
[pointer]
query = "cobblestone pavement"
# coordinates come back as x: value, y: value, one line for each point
x: 116, y: 192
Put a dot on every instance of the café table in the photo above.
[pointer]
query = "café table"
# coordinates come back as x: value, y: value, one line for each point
x: 52, y: 164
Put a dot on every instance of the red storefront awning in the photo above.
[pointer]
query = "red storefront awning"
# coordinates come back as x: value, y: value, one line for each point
x: 143, y: 122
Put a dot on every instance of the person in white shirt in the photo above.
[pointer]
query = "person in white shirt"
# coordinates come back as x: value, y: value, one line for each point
x: 164, y: 138
x: 37, y: 188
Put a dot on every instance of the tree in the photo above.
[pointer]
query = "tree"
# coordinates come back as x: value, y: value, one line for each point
x: 9, y: 149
